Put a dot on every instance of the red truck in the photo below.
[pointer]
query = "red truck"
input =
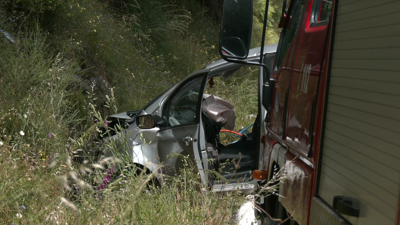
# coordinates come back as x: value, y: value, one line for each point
x: 331, y: 108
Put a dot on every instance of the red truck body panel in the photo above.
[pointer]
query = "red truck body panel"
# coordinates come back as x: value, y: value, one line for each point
x: 296, y: 116
x: 332, y: 119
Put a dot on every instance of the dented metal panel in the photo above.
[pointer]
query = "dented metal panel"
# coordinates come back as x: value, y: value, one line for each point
x: 296, y: 188
x: 171, y: 142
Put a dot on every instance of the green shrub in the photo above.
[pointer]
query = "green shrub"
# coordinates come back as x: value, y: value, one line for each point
x: 35, y: 6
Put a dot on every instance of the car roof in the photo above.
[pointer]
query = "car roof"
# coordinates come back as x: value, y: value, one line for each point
x: 254, y: 53
x: 220, y: 67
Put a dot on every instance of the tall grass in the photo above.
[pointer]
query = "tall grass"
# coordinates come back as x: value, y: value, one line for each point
x: 70, y: 58
x: 35, y: 91
x: 39, y: 135
x: 40, y: 181
x: 37, y: 120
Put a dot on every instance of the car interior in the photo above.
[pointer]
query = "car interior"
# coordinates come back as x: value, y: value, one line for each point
x: 236, y: 160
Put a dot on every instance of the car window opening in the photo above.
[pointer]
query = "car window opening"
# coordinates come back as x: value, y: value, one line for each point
x: 229, y: 137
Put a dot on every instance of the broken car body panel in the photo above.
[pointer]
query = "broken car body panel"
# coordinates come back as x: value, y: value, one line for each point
x: 184, y: 132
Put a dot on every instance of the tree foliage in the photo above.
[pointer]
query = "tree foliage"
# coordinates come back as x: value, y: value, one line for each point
x: 274, y: 13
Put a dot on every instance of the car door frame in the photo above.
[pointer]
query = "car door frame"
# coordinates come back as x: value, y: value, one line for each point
x: 198, y: 137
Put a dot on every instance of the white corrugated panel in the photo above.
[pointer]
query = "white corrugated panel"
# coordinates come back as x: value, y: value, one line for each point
x: 361, y: 151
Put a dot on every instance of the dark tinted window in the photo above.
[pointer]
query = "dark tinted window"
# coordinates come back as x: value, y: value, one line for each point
x: 292, y: 23
x: 321, y: 11
x: 326, y: 9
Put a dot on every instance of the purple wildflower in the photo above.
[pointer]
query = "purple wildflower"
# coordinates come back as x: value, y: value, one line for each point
x: 106, y: 180
x: 106, y: 123
x: 110, y: 171
x: 23, y: 207
x: 50, y: 135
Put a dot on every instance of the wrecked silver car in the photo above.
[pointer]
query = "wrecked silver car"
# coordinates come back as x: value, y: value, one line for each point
x: 187, y: 121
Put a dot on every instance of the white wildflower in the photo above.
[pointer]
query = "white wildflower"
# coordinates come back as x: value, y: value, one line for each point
x: 22, y: 133
x: 1, y: 143
x: 25, y: 116
x: 19, y: 215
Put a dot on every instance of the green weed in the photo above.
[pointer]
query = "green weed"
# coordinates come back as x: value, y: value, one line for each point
x: 54, y: 82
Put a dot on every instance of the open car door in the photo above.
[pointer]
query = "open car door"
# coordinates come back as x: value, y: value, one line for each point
x: 181, y: 135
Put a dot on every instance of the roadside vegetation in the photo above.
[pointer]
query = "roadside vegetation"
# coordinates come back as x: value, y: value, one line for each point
x: 72, y: 62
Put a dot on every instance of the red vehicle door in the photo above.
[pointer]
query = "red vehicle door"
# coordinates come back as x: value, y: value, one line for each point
x: 285, y: 58
x: 298, y: 68
x: 307, y: 69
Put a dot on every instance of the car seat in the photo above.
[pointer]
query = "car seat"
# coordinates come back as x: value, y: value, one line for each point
x: 237, y: 159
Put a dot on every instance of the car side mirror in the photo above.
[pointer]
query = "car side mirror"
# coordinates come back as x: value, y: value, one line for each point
x: 149, y: 121
x: 236, y: 28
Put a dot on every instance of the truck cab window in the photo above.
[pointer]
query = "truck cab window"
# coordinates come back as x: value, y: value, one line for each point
x: 293, y: 19
x: 326, y: 9
x: 321, y: 12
